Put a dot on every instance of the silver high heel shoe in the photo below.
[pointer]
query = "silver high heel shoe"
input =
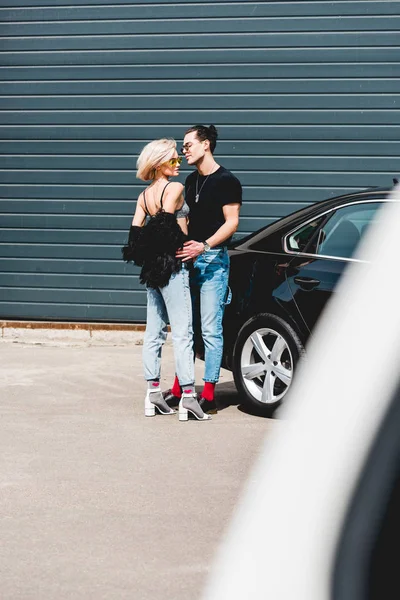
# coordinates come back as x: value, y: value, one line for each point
x: 155, y: 400
x: 189, y: 404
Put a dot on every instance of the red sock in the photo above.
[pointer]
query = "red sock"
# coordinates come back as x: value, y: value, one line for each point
x: 208, y: 391
x: 176, y: 388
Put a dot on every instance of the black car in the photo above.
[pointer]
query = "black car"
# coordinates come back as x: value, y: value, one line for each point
x: 281, y: 278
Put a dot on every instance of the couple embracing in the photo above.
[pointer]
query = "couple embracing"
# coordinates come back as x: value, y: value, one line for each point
x: 179, y: 236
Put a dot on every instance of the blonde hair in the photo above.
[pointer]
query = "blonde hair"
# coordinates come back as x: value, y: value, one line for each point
x: 152, y: 156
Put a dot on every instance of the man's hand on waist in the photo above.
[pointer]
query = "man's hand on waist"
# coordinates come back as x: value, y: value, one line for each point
x: 190, y: 250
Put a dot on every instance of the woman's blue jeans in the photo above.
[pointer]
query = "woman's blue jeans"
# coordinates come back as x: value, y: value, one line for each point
x: 172, y: 304
x: 209, y: 286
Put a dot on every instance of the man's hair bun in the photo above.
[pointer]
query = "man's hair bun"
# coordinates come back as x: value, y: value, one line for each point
x: 203, y: 133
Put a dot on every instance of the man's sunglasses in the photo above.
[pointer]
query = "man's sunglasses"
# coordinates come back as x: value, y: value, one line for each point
x: 172, y: 162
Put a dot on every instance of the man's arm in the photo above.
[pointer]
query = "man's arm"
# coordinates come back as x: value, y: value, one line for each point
x: 192, y: 249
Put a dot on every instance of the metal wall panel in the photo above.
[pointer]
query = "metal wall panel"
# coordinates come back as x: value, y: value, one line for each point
x: 305, y: 95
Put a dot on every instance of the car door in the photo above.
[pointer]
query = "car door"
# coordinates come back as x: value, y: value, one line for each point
x: 315, y: 271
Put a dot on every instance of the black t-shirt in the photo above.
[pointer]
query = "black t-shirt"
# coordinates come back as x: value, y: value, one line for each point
x: 214, y: 191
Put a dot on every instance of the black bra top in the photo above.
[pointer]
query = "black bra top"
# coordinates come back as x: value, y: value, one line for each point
x: 145, y: 203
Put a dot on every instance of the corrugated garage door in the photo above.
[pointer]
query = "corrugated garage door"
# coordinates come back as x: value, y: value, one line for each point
x: 305, y: 95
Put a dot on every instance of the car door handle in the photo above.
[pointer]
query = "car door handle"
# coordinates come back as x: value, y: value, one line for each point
x: 306, y: 283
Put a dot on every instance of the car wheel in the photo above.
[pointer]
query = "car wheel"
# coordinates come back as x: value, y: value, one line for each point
x: 265, y: 355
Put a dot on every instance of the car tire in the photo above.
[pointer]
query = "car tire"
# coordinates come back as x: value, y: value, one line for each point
x: 265, y: 356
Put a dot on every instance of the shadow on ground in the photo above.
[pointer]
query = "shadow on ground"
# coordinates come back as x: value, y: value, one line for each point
x: 227, y: 395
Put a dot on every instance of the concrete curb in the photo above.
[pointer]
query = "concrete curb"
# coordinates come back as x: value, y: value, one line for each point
x: 72, y: 334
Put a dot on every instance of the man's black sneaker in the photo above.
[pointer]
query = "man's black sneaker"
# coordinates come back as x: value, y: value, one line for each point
x: 171, y: 399
x: 208, y: 406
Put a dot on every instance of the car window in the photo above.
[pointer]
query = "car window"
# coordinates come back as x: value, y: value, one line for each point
x: 299, y: 239
x: 342, y: 233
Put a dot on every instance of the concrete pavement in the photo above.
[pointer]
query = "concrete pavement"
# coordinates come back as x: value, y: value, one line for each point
x: 99, y: 502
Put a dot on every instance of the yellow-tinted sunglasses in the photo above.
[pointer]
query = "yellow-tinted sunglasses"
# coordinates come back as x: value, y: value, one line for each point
x: 172, y: 162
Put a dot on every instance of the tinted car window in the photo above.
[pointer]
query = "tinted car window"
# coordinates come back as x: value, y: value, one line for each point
x: 342, y: 233
x: 299, y: 239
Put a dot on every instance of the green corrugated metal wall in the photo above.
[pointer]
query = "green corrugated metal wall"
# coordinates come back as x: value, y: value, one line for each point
x: 305, y: 95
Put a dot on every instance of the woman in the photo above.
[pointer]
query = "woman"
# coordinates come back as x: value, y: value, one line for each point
x: 158, y: 229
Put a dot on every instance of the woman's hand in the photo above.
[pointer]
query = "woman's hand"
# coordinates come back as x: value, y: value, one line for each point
x: 190, y: 250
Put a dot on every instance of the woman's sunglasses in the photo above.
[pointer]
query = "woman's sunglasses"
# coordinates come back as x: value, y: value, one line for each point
x: 173, y: 162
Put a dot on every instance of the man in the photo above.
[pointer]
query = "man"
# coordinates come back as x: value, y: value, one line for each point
x: 214, y: 196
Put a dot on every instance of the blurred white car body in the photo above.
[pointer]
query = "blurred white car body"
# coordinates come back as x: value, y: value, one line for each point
x: 287, y: 533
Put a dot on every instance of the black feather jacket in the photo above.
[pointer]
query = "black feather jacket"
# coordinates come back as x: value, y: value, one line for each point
x: 153, y: 248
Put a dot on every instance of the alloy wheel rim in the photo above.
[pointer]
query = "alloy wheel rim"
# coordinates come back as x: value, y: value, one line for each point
x: 266, y: 365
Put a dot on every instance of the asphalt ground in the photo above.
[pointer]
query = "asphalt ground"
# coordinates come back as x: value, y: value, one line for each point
x: 99, y: 502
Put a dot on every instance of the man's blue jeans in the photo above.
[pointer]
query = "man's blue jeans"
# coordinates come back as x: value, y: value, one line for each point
x: 209, y: 287
x: 172, y: 304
